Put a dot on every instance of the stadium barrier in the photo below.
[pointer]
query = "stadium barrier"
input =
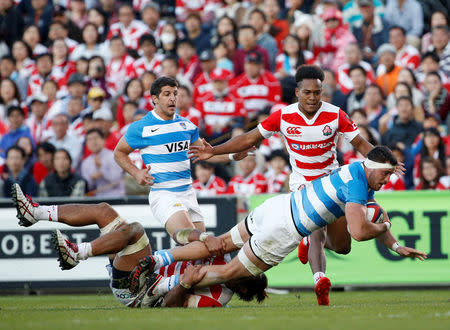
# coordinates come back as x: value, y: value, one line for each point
x: 419, y: 219
x: 28, y: 260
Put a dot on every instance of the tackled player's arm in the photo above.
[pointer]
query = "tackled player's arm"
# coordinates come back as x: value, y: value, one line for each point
x: 361, y: 144
x: 215, y: 245
x: 359, y: 228
x: 238, y: 144
x: 178, y: 296
x: 389, y: 241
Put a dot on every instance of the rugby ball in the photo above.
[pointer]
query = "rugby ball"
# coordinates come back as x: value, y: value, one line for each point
x: 374, y: 213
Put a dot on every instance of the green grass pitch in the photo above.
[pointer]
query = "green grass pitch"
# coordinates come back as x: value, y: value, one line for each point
x: 397, y: 310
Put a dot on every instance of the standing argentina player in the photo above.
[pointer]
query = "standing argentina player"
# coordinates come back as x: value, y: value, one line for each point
x: 163, y: 138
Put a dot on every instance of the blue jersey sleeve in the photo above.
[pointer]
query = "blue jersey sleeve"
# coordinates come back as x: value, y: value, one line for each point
x: 357, y: 187
x: 133, y: 136
x: 194, y: 136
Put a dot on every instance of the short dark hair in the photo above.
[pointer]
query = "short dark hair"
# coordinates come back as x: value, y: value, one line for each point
x: 186, y: 41
x: 432, y: 55
x: 205, y: 165
x: 159, y: 83
x: 434, y: 73
x: 44, y: 55
x: 398, y: 27
x: 382, y: 154
x: 8, y: 58
x: 357, y: 67
x: 13, y: 108
x: 147, y: 38
x: 258, y: 11
x: 404, y: 97
x: 373, y: 85
x: 173, y: 59
x: 95, y: 130
x: 253, y: 287
x: 117, y: 37
x: 188, y: 91
x: 308, y: 72
x: 66, y: 152
x: 247, y: 26
x: 17, y: 148
x: 47, y: 147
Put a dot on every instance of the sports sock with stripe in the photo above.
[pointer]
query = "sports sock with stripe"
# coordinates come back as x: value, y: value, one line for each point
x: 163, y: 258
x: 167, y: 284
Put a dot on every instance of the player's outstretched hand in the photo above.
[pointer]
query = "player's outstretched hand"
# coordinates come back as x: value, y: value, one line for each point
x: 197, y: 152
x: 411, y: 253
x: 400, y: 169
x: 192, y: 275
x: 241, y: 155
x: 143, y: 177
x: 215, y: 245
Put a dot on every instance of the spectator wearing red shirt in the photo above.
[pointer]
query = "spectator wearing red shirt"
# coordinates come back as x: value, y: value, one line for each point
x: 149, y: 61
x: 185, y: 108
x: 221, y: 108
x: 133, y: 91
x: 250, y: 182
x: 407, y: 56
x: 38, y: 121
x: 128, y: 27
x: 44, y: 165
x: 120, y: 67
x: 202, y: 83
x: 248, y: 43
x: 278, y: 28
x: 103, y: 120
x: 44, y: 68
x: 431, y: 172
x: 277, y: 175
x: 256, y: 86
x: 207, y: 184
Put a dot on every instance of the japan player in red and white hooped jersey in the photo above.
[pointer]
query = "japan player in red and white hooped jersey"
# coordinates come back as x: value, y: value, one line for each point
x: 310, y: 129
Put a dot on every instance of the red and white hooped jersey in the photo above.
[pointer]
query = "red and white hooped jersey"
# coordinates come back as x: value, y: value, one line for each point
x: 202, y: 85
x: 217, y: 113
x: 131, y: 34
x: 254, y: 183
x: 118, y: 72
x: 215, y: 186
x: 311, y: 143
x: 193, y: 115
x: 395, y: 183
x: 36, y: 81
x: 343, y: 78
x: 266, y: 90
x: 39, y: 131
x: 275, y: 181
x: 213, y: 296
x: 408, y: 57
x: 143, y: 64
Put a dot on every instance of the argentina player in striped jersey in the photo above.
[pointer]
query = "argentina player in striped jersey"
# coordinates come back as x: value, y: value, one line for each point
x: 163, y: 138
x: 274, y: 229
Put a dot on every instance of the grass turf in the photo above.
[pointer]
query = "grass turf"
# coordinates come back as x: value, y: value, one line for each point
x: 349, y: 310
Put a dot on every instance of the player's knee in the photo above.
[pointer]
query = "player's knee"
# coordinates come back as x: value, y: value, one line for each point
x: 136, y: 230
x: 105, y: 208
x: 343, y: 249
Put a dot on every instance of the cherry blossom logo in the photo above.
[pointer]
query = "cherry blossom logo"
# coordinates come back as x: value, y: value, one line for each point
x: 327, y: 131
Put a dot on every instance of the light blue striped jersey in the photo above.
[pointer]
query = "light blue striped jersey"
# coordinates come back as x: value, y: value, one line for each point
x: 323, y: 200
x: 163, y: 144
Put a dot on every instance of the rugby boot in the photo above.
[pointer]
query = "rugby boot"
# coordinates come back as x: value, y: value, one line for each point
x: 138, y: 275
x: 67, y: 251
x: 322, y: 290
x: 24, y: 205
x: 145, y: 297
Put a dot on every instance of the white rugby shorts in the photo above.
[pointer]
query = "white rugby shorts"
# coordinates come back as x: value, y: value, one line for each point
x: 165, y: 203
x: 272, y: 229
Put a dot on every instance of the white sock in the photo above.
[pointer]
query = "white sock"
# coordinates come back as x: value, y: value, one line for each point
x: 305, y: 240
x: 318, y: 276
x: 84, y: 251
x: 166, y: 284
x: 46, y: 212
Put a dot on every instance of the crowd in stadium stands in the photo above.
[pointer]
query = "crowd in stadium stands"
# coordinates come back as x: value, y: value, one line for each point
x: 75, y: 73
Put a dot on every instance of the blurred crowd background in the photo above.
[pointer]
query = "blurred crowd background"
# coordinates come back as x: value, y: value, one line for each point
x: 76, y: 73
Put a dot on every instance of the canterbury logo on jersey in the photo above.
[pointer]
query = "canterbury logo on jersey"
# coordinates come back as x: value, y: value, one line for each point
x: 292, y: 130
x: 177, y: 146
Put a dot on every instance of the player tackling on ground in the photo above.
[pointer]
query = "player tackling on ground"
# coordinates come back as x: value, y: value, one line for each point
x: 163, y: 138
x: 310, y: 129
x: 275, y: 228
x: 127, y: 244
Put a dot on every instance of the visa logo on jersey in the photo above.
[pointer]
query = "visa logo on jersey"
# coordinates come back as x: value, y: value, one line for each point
x: 177, y: 146
x: 294, y: 131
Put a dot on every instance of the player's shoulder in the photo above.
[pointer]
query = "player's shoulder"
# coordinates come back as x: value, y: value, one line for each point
x: 184, y: 122
x: 291, y: 108
x: 328, y: 107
